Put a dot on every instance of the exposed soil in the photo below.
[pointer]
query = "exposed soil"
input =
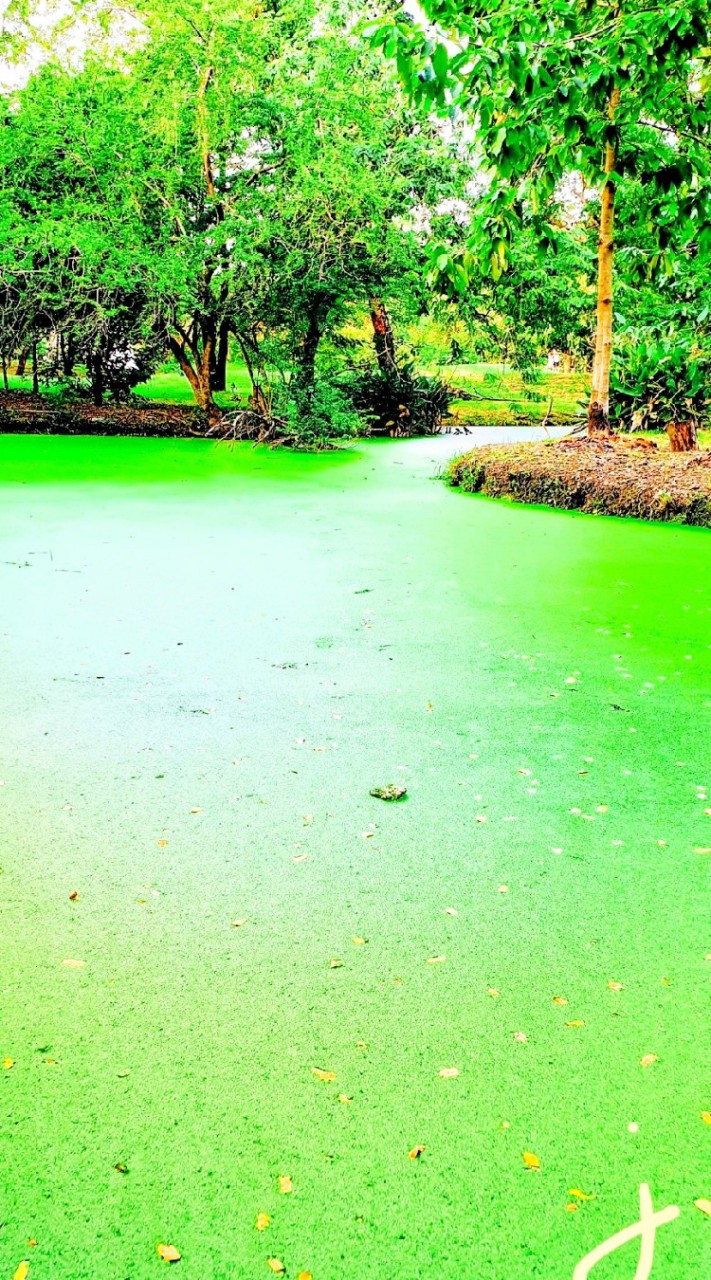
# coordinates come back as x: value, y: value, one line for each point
x: 612, y: 476
x: 22, y: 413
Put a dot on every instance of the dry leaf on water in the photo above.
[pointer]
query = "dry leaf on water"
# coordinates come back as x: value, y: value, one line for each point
x: 417, y: 1151
x: 530, y: 1160
x: 262, y: 1222
x: 327, y: 1076
x: 276, y: 1266
x: 168, y: 1252
x: 286, y: 1186
x: 648, y: 1060
x: 21, y: 1272
x: 703, y: 1205
x: 449, y: 1073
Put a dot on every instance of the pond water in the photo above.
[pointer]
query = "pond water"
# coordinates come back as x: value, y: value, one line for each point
x: 208, y: 657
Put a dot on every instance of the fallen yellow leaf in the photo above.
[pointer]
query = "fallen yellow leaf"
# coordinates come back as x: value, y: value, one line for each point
x: 449, y: 1073
x: 531, y: 1161
x: 648, y: 1060
x: 359, y: 942
x: 21, y: 1271
x: 262, y: 1222
x: 492, y: 991
x: 580, y: 1195
x: 335, y: 964
x: 168, y: 1252
x: 572, y: 1208
x: 238, y: 924
x: 276, y: 1266
x: 451, y: 911
x: 343, y: 1097
x: 8, y: 1063
x: 559, y: 1000
x: 577, y: 1022
x: 304, y: 1275
x: 706, y: 1117
x: 326, y: 1076
x: 286, y: 1186
x: 74, y: 964
x: 615, y: 986
x: 703, y: 1205
x: 417, y: 1151
x: 162, y: 844
x: 436, y: 959
x: 706, y: 849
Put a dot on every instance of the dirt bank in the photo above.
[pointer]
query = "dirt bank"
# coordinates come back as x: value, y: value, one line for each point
x: 611, y: 477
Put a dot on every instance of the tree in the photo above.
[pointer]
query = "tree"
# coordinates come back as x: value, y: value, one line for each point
x: 604, y: 89
x: 245, y: 174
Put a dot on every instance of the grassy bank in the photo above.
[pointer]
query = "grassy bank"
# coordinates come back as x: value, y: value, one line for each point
x: 622, y: 478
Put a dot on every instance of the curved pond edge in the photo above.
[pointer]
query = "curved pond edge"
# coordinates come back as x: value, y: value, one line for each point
x: 606, y: 477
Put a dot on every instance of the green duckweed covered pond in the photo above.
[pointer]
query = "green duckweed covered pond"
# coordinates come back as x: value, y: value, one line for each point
x: 208, y: 657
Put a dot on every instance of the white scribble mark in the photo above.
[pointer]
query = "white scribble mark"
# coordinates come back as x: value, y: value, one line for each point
x: 646, y: 1228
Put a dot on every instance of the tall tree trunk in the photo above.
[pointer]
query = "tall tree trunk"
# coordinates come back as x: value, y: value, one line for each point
x: 35, y: 371
x: 67, y: 354
x: 5, y: 382
x: 95, y: 369
x: 383, y: 338
x: 198, y: 375
x: 309, y: 348
x: 599, y: 408
x: 22, y: 362
x: 222, y: 351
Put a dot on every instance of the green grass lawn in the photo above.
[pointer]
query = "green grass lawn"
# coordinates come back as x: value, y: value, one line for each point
x: 506, y: 398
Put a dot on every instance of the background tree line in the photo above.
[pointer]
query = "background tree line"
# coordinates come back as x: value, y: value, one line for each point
x: 245, y: 178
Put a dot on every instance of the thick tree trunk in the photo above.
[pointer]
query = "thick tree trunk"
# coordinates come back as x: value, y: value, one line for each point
x: 219, y: 368
x: 682, y: 436
x: 383, y: 338
x: 22, y: 362
x: 95, y: 369
x: 309, y: 349
x: 199, y: 375
x: 599, y: 408
x: 67, y: 354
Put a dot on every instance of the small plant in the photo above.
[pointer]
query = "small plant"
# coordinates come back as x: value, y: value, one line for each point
x: 402, y: 403
x: 660, y: 381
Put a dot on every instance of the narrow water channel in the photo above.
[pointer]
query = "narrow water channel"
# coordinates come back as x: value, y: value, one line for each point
x: 208, y: 657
